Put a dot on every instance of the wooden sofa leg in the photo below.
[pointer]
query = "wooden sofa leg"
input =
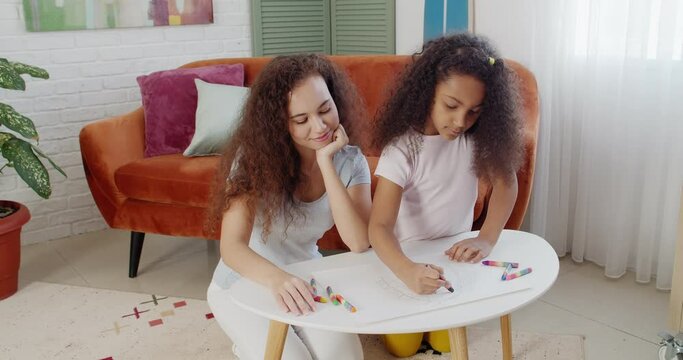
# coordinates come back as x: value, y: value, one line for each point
x: 136, y: 241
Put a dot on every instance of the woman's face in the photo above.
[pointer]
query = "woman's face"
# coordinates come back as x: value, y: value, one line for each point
x: 313, y: 116
x: 457, y: 104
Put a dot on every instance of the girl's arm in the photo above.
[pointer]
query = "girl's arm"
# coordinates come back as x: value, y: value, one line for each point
x: 292, y: 294
x: 421, y: 278
x: 350, y: 207
x: 503, y: 197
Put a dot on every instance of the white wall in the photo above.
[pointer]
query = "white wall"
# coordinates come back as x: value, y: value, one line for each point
x: 509, y: 25
x: 409, y: 26
x: 92, y: 76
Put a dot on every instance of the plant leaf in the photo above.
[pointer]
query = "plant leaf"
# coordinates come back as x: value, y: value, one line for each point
x: 10, y: 78
x: 41, y: 153
x: 31, y: 70
x: 17, y: 122
x: 4, y: 137
x: 20, y: 155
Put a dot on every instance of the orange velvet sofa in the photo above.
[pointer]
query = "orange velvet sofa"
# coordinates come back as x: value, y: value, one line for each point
x: 168, y: 194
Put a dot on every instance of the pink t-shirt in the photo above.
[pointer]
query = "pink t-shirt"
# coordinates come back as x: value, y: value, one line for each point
x: 439, y: 185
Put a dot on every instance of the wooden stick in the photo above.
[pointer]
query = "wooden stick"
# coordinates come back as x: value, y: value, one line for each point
x: 277, y: 333
x: 506, y: 336
x: 458, y: 340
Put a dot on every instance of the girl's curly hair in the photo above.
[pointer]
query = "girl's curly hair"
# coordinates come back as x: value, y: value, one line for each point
x: 497, y: 132
x: 260, y: 160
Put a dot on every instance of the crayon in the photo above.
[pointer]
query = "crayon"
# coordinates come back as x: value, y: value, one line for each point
x: 508, y: 269
x: 314, y: 285
x: 320, y: 299
x: 450, y: 288
x: 332, y: 296
x: 500, y: 263
x: 347, y: 305
x: 518, y: 274
x: 441, y: 277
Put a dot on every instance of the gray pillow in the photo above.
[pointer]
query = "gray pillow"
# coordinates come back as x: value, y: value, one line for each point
x: 218, y: 111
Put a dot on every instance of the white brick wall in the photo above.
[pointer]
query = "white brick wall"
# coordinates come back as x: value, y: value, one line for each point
x: 92, y: 76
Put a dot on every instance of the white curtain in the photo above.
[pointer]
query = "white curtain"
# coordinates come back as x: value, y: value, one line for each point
x: 609, y: 170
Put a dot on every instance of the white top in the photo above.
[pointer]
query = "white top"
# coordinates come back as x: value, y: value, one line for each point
x: 298, y: 242
x: 439, y: 185
x: 527, y: 249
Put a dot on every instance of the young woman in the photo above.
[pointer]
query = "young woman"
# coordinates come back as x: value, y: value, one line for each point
x: 288, y: 175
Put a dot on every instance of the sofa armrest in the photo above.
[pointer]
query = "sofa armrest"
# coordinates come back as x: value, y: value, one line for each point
x: 107, y: 145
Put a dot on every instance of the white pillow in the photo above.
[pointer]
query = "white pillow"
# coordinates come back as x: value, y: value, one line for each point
x: 218, y: 109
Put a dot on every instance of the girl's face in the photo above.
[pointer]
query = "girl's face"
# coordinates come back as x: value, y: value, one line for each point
x: 313, y: 116
x: 457, y: 105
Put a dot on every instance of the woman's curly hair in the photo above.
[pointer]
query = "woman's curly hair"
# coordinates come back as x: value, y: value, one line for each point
x: 259, y: 160
x: 497, y: 132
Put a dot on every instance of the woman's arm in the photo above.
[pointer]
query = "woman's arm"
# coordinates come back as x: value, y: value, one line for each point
x: 350, y: 207
x: 293, y: 294
x: 501, y: 203
x: 421, y: 278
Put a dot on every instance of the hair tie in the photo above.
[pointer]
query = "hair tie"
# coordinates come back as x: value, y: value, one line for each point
x: 492, y: 61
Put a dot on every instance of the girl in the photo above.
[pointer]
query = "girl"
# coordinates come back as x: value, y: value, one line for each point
x: 452, y: 119
x: 290, y: 177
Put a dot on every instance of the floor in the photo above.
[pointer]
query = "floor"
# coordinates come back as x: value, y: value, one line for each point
x: 620, y: 319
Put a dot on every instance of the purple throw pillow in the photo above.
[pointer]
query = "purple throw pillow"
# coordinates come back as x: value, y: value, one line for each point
x: 169, y: 99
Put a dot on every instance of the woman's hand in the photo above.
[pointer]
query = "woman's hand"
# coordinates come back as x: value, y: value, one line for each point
x: 339, y: 139
x: 293, y: 294
x: 423, y: 278
x: 471, y: 250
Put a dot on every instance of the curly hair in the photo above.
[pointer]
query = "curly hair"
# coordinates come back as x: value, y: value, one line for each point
x: 497, y: 132
x: 259, y: 160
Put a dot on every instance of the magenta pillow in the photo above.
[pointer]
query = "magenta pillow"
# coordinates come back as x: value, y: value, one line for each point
x: 169, y: 99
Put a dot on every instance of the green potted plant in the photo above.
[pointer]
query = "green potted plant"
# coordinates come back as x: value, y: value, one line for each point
x: 22, y: 155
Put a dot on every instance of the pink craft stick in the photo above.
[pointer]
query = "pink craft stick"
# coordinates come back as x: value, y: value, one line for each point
x: 500, y: 263
x: 518, y: 274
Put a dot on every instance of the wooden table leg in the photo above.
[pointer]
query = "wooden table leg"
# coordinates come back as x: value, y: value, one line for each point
x: 506, y: 336
x: 458, y: 340
x: 277, y: 333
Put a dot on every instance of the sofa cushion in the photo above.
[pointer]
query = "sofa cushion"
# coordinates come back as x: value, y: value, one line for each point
x: 169, y: 99
x: 169, y: 179
x: 218, y: 111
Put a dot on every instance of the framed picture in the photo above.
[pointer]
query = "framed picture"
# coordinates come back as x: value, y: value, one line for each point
x: 54, y: 15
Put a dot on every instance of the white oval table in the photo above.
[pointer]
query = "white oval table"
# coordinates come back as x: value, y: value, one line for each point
x: 528, y: 249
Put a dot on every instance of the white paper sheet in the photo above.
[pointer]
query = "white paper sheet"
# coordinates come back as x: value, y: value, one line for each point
x: 369, y: 287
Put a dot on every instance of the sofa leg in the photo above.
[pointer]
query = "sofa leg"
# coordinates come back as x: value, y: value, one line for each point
x: 136, y: 241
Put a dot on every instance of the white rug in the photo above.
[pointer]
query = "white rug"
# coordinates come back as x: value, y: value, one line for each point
x: 52, y: 321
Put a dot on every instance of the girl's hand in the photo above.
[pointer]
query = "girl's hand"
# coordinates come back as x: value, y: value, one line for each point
x: 471, y: 250
x: 339, y: 139
x: 423, y: 278
x: 293, y: 294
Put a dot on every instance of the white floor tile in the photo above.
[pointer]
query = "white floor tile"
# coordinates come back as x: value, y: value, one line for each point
x: 602, y: 342
x: 169, y: 265
x: 41, y: 262
x: 637, y: 309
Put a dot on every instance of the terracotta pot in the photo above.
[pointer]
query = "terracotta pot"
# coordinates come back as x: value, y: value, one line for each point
x: 10, y: 247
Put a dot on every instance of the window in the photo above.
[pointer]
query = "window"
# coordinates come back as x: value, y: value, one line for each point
x: 335, y: 27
